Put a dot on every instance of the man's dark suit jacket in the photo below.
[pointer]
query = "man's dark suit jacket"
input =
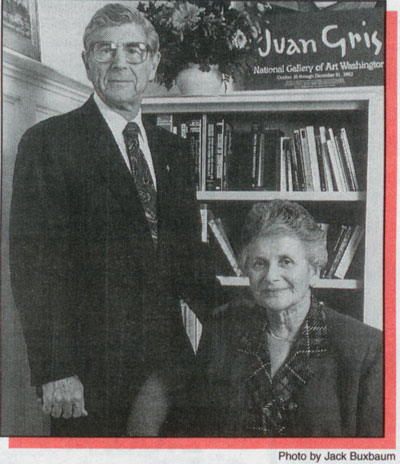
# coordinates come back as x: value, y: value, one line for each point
x: 96, y: 299
x: 329, y: 386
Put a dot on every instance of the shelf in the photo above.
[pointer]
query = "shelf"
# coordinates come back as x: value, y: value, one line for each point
x: 348, y: 99
x: 292, y: 196
x: 345, y: 284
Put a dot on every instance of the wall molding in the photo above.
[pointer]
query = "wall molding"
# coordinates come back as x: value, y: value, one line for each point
x: 32, y: 72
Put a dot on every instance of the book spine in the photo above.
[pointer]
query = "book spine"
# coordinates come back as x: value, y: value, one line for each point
x: 204, y: 222
x: 333, y: 162
x: 343, y: 163
x: 295, y: 168
x: 282, y: 179
x: 289, y: 168
x: 309, y: 187
x: 225, y: 246
x: 340, y: 251
x: 210, y: 156
x: 255, y: 149
x: 184, y: 130
x: 349, y: 157
x: 338, y: 160
x: 272, y: 155
x: 332, y: 253
x: 321, y: 169
x: 194, y: 133
x: 349, y: 252
x: 312, y: 149
x: 227, y: 153
x: 219, y: 154
x: 261, y: 161
x: 165, y: 121
x: 330, y: 187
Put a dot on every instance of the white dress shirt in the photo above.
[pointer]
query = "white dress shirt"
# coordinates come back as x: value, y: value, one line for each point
x: 117, y: 124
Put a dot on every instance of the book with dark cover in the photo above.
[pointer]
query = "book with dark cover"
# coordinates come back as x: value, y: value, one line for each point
x: 342, y: 245
x: 308, y: 177
x: 349, y: 252
x: 300, y: 163
x: 210, y: 155
x: 227, y: 159
x: 255, y: 145
x: 194, y: 135
x: 272, y: 158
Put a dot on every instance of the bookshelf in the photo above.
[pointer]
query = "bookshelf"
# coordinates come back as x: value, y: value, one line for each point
x: 360, y: 111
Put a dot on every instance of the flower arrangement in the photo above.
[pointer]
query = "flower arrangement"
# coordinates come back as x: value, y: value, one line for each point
x: 202, y: 32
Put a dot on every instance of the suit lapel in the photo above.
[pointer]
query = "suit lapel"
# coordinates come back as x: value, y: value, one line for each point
x: 106, y: 157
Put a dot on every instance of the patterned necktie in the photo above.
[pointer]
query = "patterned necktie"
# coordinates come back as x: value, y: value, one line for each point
x: 142, y: 176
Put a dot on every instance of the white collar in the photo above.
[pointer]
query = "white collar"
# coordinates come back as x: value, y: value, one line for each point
x: 115, y: 121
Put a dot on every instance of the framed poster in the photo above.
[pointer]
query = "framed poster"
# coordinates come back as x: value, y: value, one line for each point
x: 21, y: 32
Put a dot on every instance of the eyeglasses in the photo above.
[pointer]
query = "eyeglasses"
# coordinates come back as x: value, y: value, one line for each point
x: 135, y: 52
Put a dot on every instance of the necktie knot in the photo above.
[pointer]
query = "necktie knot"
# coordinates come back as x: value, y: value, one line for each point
x: 131, y: 129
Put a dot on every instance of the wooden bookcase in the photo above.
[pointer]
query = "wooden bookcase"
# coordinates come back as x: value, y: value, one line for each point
x: 361, y: 111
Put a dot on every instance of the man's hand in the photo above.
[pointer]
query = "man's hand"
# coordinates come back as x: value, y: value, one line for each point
x: 64, y: 398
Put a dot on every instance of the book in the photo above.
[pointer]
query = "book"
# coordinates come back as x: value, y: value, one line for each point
x: 218, y: 230
x: 349, y: 252
x: 339, y: 161
x: 312, y: 150
x: 260, y: 161
x: 195, y: 138
x: 349, y: 159
x: 228, y: 134
x: 192, y: 325
x: 309, y: 186
x: 320, y: 163
x: 339, y: 184
x: 271, y: 157
x: 340, y: 251
x: 334, y: 238
x: 289, y: 168
x: 165, y: 121
x: 344, y: 164
x: 326, y: 168
x: 219, y: 154
x: 255, y: 137
x: 183, y: 130
x: 204, y: 222
x: 210, y: 157
x: 297, y: 184
x: 283, y: 179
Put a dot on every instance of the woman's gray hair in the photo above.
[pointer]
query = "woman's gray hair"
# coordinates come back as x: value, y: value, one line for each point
x: 115, y: 14
x: 286, y: 218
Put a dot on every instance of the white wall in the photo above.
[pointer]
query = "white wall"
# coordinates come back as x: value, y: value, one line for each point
x: 61, y: 27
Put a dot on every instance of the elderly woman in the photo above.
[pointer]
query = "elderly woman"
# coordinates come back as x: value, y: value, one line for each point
x: 284, y: 364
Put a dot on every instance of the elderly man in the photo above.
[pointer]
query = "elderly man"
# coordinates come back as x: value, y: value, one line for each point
x: 105, y: 243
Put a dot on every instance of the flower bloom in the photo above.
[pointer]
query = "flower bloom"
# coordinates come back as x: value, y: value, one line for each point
x: 239, y: 39
x: 186, y: 16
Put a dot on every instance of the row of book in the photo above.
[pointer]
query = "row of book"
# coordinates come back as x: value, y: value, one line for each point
x: 310, y: 160
x: 341, y: 253
x: 213, y: 139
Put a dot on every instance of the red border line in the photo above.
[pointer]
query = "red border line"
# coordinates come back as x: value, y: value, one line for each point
x: 389, y: 441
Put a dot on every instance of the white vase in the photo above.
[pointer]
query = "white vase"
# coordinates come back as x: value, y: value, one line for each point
x: 193, y: 81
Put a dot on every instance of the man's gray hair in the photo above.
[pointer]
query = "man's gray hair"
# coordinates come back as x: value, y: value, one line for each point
x: 286, y: 218
x: 115, y: 14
